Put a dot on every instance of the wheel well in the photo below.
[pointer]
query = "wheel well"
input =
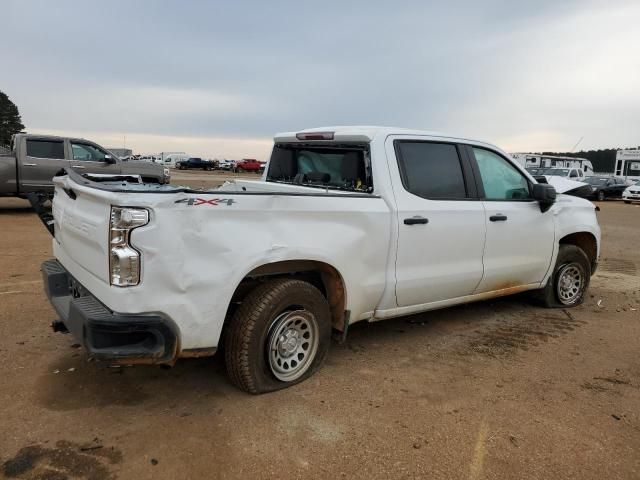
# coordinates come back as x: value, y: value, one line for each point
x: 587, y: 242
x: 321, y: 275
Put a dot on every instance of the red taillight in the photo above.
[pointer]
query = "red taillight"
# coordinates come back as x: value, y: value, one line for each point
x: 315, y: 136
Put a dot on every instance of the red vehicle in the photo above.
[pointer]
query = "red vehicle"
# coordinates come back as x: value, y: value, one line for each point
x: 249, y: 165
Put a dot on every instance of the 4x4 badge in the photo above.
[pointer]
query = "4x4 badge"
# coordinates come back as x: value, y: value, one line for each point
x: 207, y: 201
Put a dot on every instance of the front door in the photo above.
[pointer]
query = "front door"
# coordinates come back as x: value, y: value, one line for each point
x: 89, y: 158
x: 520, y: 238
x: 42, y: 160
x: 441, y: 226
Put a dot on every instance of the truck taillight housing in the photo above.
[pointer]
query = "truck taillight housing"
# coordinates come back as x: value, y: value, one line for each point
x: 124, y: 260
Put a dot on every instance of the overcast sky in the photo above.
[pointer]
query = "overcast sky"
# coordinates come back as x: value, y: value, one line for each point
x: 218, y: 79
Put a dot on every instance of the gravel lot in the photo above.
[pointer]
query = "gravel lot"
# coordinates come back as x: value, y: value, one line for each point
x: 500, y: 389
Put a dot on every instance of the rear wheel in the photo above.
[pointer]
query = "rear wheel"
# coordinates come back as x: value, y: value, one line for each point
x: 279, y: 336
x: 600, y: 196
x: 570, y: 279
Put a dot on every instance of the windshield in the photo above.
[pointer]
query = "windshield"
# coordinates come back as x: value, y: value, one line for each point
x: 559, y: 172
x: 596, y: 180
x: 326, y: 167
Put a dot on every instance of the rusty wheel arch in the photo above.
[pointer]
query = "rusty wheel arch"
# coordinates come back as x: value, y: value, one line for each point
x: 322, y: 275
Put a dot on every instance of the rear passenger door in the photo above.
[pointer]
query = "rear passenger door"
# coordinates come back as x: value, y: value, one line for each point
x: 441, y: 225
x: 42, y: 159
x: 520, y: 238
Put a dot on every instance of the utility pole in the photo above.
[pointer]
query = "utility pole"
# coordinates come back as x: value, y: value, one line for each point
x: 574, y: 147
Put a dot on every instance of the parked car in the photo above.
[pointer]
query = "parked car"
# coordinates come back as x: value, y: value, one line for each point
x: 35, y: 159
x: 349, y: 224
x: 249, y: 165
x: 226, y: 164
x: 632, y: 193
x: 606, y: 187
x: 195, y: 162
x: 576, y: 174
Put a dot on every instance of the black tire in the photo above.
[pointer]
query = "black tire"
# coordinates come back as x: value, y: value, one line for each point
x: 627, y: 201
x: 570, y: 258
x: 249, y: 334
x: 601, y: 196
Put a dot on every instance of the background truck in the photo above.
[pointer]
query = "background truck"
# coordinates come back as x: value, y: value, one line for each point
x: 348, y: 224
x: 195, y: 163
x: 35, y: 159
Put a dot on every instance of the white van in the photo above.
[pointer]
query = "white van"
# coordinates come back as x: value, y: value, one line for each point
x: 171, y: 159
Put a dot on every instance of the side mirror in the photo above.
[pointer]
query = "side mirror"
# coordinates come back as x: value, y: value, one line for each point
x: 545, y: 194
x: 109, y: 159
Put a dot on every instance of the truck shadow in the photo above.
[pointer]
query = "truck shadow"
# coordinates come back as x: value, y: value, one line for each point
x: 495, y: 328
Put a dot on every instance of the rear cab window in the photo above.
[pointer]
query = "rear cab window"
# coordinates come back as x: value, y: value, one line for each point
x: 45, y: 149
x: 339, y: 167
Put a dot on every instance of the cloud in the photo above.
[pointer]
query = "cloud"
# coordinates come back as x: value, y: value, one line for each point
x: 507, y: 72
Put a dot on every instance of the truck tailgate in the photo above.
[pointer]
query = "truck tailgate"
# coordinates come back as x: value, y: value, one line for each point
x: 82, y: 227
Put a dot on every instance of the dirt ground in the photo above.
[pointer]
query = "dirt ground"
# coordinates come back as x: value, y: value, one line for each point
x: 501, y: 389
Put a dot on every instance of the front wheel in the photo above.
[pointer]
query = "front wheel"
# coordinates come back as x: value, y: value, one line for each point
x: 570, y: 279
x: 627, y: 201
x: 279, y: 336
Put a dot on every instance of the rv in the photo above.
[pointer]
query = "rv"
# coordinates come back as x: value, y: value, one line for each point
x: 534, y: 160
x: 628, y: 164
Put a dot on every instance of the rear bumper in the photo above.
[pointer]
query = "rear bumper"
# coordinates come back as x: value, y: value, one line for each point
x: 121, y: 338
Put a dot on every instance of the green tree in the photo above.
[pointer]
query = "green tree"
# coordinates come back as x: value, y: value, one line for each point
x: 10, y: 121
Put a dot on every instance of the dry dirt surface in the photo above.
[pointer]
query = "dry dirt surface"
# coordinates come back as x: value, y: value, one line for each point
x: 501, y: 389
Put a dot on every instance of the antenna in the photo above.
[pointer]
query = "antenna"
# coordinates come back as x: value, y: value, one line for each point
x: 574, y: 147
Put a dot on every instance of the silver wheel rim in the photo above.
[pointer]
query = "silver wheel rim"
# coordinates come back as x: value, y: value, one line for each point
x: 292, y: 344
x: 570, y: 283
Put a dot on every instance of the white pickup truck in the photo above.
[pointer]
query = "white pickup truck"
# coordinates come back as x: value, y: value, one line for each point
x: 348, y: 224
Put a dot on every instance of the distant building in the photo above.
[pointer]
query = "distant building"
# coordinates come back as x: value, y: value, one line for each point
x: 121, y: 152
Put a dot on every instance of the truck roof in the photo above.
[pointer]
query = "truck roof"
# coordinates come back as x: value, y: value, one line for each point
x: 366, y: 133
x: 50, y: 137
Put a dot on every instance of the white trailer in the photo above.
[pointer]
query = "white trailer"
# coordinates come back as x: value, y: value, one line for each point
x: 628, y: 164
x: 535, y: 160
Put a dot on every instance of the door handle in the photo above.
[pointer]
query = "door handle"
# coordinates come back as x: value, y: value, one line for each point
x: 416, y: 221
x: 498, y: 218
x: 78, y: 166
x: 29, y: 164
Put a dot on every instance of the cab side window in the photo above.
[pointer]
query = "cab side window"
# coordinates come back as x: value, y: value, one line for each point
x: 86, y: 152
x: 500, y: 179
x: 431, y: 170
x: 45, y: 149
